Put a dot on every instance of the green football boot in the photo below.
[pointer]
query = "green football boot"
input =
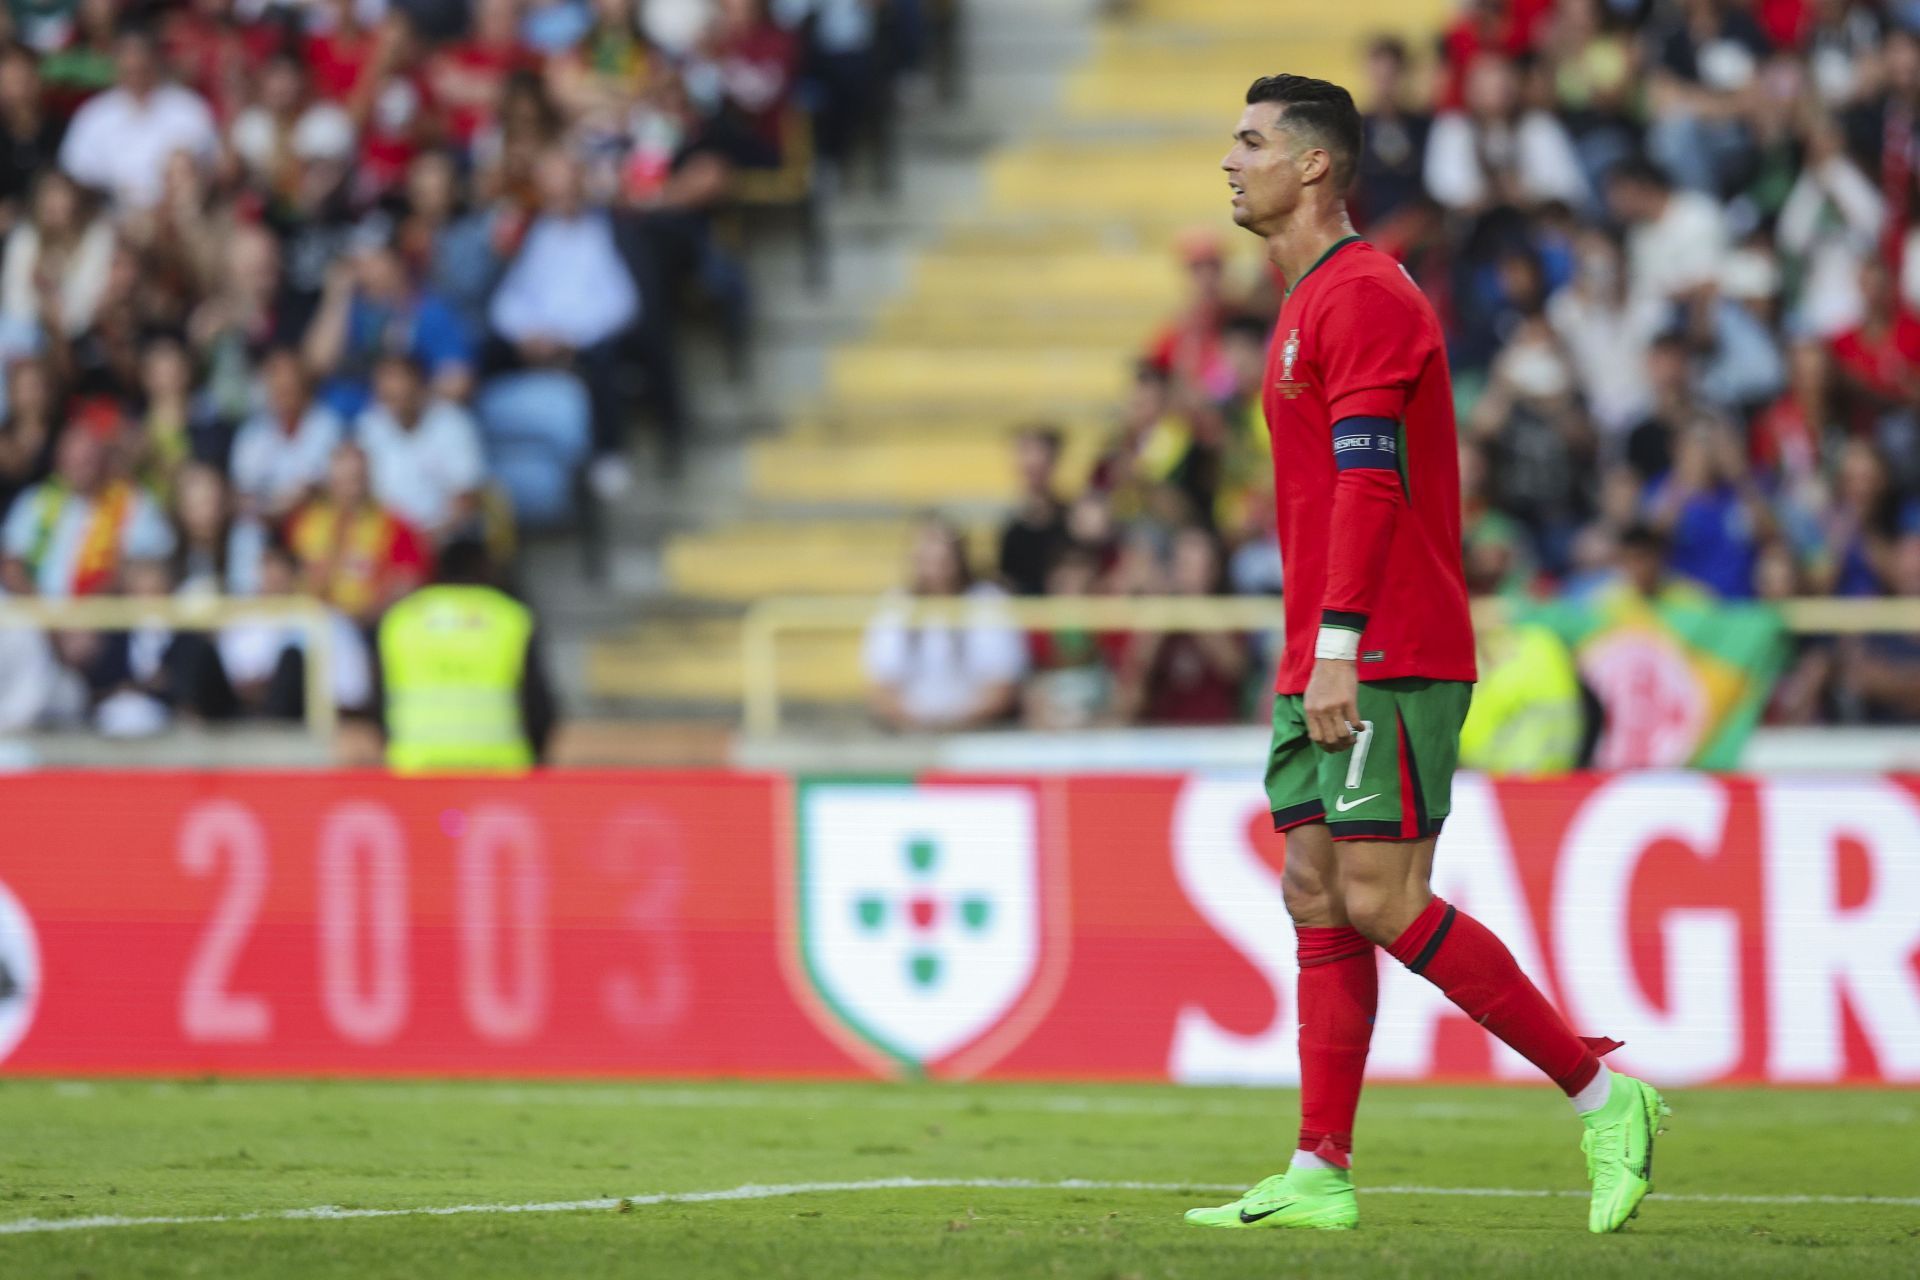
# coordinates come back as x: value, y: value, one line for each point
x: 1619, y: 1147
x: 1316, y: 1199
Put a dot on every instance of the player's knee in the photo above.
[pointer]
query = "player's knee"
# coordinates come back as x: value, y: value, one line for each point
x: 1375, y: 909
x: 1308, y: 896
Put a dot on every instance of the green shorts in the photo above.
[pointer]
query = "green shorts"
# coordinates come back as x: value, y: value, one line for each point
x: 1397, y: 781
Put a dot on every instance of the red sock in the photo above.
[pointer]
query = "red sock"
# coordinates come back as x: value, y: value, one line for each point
x: 1459, y: 955
x: 1339, y: 991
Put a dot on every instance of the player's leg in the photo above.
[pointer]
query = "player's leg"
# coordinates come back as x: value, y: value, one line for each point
x: 1385, y: 861
x: 1337, y: 993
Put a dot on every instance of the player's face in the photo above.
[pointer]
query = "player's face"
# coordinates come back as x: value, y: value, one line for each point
x: 1262, y: 170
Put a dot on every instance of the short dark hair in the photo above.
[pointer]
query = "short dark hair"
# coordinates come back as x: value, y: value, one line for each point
x: 1643, y: 537
x: 1320, y: 110
x: 465, y: 561
x: 1641, y: 172
x: 1388, y: 45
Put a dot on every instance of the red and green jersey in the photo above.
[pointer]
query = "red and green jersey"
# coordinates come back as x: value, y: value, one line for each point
x: 1369, y: 516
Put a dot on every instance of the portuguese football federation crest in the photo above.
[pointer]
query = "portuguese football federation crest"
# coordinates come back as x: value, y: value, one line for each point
x: 921, y: 919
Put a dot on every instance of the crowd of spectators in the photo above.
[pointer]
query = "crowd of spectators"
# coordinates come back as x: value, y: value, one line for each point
x: 1675, y: 249
x: 293, y: 292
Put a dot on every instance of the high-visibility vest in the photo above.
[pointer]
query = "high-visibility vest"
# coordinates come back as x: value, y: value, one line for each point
x: 452, y: 658
x: 1527, y: 715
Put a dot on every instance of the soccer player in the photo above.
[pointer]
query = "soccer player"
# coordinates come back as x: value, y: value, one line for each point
x: 1378, y: 669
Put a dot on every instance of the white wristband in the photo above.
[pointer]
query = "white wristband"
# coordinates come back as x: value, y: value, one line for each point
x: 1337, y: 642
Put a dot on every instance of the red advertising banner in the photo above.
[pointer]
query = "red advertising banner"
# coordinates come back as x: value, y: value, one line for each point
x: 694, y: 924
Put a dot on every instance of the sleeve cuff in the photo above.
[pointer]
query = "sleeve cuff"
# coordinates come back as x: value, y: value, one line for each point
x: 1345, y: 619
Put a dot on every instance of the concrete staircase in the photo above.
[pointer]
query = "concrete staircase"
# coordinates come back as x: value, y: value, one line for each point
x: 1026, y: 257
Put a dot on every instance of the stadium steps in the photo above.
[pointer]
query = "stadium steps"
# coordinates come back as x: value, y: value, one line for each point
x: 1028, y: 256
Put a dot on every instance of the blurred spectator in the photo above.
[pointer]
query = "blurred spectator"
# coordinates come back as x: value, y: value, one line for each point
x: 1394, y: 138
x: 746, y: 68
x: 1498, y: 151
x: 569, y: 301
x: 288, y: 130
x: 1593, y: 64
x: 1071, y: 686
x: 81, y: 62
x: 281, y: 453
x: 1187, y: 350
x: 28, y: 429
x: 453, y: 249
x: 219, y: 550
x: 55, y: 270
x: 1675, y: 239
x: 1878, y: 361
x: 29, y: 133
x: 1706, y: 57
x: 35, y: 690
x: 1831, y: 219
x: 266, y: 662
x: 925, y: 677
x: 1037, y: 531
x: 1860, y: 526
x: 171, y: 427
x: 1880, y: 675
x: 423, y: 452
x: 1605, y: 332
x: 373, y: 305
x: 463, y: 682
x: 389, y: 95
x: 121, y: 140
x: 69, y: 534
x: 1649, y: 445
x: 1880, y: 137
x: 355, y: 554
x: 141, y: 679
x: 1181, y: 677
x: 1539, y: 439
x: 1711, y: 511
x: 468, y: 74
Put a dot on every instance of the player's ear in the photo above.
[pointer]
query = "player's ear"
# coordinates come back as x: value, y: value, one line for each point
x: 1315, y: 164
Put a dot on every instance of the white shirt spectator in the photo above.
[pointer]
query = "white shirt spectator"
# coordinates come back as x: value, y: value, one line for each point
x: 34, y: 688
x: 675, y: 26
x: 47, y: 521
x: 250, y: 651
x: 419, y: 474
x: 323, y: 132
x: 121, y: 144
x: 941, y: 672
x: 1608, y: 347
x: 569, y: 285
x: 270, y: 465
x: 1830, y: 222
x: 1537, y: 149
x: 83, y: 279
x: 1679, y: 250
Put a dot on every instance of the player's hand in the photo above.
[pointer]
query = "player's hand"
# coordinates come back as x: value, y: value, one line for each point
x: 1332, y: 704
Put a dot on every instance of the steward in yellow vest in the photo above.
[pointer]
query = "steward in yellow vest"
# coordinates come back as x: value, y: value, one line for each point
x: 463, y: 689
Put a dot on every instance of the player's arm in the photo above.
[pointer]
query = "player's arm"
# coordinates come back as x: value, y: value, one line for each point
x: 1373, y: 356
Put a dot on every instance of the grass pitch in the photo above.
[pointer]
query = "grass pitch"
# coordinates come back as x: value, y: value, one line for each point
x: 1733, y: 1182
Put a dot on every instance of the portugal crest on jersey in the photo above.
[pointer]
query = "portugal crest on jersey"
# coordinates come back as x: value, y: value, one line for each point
x: 924, y: 926
x: 1289, y: 352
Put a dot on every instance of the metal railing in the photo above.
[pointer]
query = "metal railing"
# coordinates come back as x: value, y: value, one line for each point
x: 768, y: 620
x: 195, y: 613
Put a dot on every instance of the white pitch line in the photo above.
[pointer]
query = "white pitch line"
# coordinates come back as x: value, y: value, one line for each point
x: 758, y: 1191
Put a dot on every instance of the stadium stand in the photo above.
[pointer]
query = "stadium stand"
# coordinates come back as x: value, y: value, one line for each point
x: 1023, y: 306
